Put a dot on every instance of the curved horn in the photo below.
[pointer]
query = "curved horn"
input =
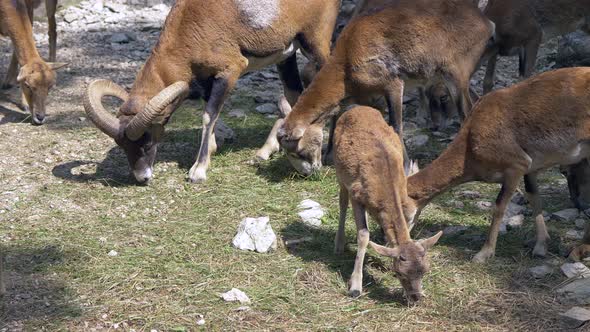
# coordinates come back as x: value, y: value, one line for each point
x: 104, y: 120
x: 154, y: 108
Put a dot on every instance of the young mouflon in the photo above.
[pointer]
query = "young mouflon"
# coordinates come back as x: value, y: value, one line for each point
x: 368, y: 158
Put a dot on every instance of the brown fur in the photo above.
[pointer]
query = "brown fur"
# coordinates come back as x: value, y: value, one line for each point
x: 36, y: 77
x: 369, y: 164
x: 410, y: 42
x: 206, y: 43
x: 522, y: 24
x: 513, y: 133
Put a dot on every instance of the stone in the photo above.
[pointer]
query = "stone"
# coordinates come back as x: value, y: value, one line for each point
x: 458, y: 204
x: 567, y: 215
x: 267, y: 108
x: 514, y: 221
x: 573, y: 234
x: 574, y: 50
x: 311, y: 212
x: 417, y: 140
x: 223, y: 133
x: 470, y: 194
x: 113, y: 253
x: 576, y: 292
x: 577, y: 269
x: 121, y: 38
x: 410, y: 126
x: 575, y: 317
x: 255, y: 234
x: 70, y: 17
x: 513, y: 209
x: 518, y: 198
x: 580, y: 223
x: 540, y: 271
x: 308, y: 204
x: 483, y: 205
x: 237, y: 113
x: 453, y: 230
x: 235, y: 295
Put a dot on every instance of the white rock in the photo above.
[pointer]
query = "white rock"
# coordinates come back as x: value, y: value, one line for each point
x: 311, y: 212
x: 255, y: 234
x: 514, y: 221
x: 577, y: 269
x: 566, y: 215
x: 113, y: 253
x: 540, y: 271
x: 235, y: 295
x: 308, y: 204
x: 575, y: 317
x: 312, y: 217
x: 200, y: 320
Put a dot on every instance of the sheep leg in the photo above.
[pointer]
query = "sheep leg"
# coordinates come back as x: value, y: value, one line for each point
x: 339, y: 242
x: 223, y: 84
x: 289, y: 74
x: 356, y: 279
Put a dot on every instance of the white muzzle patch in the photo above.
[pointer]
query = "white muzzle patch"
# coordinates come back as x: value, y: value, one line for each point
x: 259, y: 14
x: 143, y: 176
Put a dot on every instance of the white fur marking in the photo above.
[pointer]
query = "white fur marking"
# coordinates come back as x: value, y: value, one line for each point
x: 259, y: 14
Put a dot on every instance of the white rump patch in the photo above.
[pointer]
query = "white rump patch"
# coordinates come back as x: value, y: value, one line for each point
x: 259, y: 14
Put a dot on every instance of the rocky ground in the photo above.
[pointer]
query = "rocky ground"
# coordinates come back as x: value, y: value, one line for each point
x: 44, y: 169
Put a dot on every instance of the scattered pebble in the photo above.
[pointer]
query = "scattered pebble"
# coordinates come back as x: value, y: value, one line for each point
x: 540, y: 271
x: 113, y: 253
x: 237, y: 113
x: 200, y: 320
x: 235, y: 295
x: 268, y: 108
x: 470, y: 194
x: 483, y: 205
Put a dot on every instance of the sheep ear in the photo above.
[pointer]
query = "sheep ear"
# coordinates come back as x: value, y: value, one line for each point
x: 385, y: 251
x: 57, y: 65
x: 284, y: 107
x: 431, y: 241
